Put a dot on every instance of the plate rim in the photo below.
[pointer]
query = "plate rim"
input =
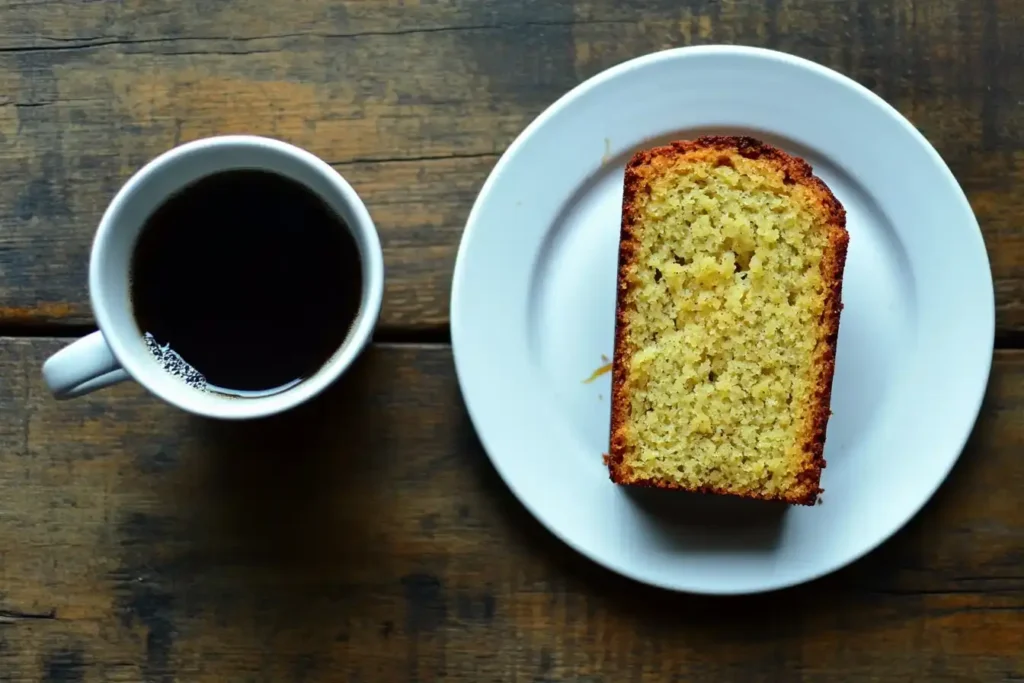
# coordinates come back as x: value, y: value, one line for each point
x: 597, y: 81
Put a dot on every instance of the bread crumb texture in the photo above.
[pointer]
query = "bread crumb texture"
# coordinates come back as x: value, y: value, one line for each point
x: 730, y: 271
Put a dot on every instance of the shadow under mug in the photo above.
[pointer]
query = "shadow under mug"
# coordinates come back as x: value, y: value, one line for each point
x: 118, y: 350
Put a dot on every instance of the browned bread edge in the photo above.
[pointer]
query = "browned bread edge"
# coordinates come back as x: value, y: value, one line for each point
x: 796, y: 170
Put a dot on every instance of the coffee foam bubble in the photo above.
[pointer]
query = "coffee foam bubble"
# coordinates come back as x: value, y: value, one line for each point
x: 174, y: 364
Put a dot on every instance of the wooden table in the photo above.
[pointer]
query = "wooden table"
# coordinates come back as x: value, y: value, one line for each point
x: 366, y: 537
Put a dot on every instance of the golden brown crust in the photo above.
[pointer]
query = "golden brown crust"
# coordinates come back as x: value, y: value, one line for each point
x: 797, y: 171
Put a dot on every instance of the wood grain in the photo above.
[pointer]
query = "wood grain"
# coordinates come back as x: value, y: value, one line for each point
x: 413, y: 101
x: 367, y: 538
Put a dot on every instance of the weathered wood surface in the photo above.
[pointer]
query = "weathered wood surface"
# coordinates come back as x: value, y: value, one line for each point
x: 413, y: 101
x: 367, y: 538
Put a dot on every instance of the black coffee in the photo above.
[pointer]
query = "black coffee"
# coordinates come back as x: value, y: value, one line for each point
x: 245, y: 283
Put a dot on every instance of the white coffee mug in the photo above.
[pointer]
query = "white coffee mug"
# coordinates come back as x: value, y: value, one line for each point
x: 118, y: 350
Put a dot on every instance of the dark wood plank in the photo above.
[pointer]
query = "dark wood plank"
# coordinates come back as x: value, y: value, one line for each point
x: 408, y: 114
x: 367, y: 538
x: 414, y: 101
x: 423, y: 222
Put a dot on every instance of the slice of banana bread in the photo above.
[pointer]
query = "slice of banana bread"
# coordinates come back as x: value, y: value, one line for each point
x: 731, y: 264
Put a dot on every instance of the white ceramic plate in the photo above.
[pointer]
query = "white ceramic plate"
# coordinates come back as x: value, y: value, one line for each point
x: 534, y: 296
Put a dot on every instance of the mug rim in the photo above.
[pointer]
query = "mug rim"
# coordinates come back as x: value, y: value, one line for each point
x: 144, y: 369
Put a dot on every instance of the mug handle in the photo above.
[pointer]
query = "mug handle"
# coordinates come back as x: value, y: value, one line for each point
x: 82, y: 367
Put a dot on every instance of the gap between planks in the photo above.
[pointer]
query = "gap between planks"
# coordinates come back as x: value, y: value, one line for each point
x: 1005, y: 340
